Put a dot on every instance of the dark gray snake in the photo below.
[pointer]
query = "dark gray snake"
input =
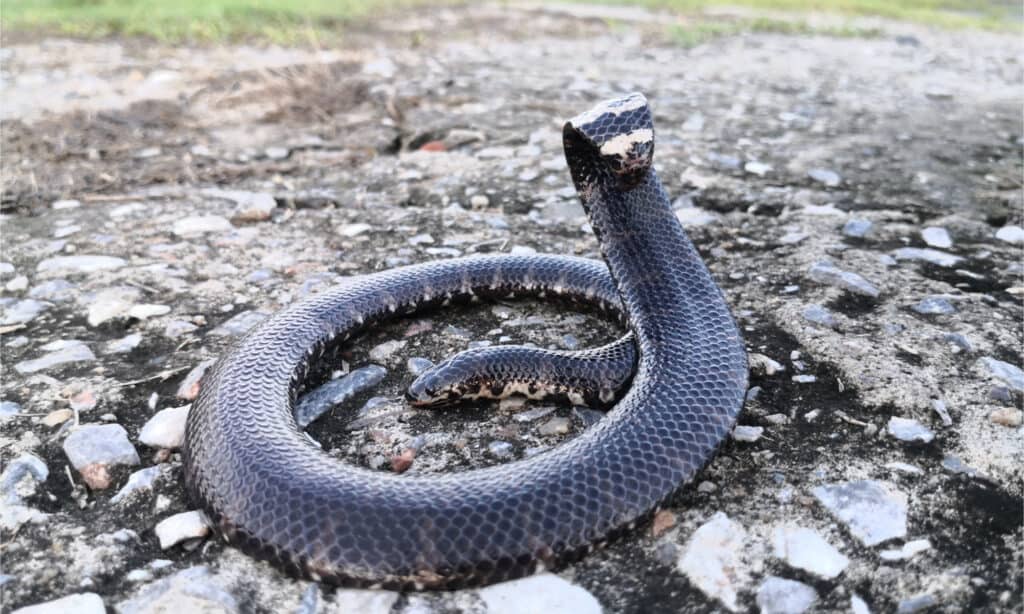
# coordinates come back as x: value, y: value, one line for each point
x: 270, y: 491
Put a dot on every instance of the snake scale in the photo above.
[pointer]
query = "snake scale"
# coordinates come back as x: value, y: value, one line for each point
x: 273, y: 493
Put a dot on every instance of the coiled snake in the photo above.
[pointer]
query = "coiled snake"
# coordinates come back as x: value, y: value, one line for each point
x: 275, y: 495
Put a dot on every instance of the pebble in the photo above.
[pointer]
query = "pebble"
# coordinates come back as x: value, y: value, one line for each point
x: 200, y: 224
x: 827, y: 273
x: 916, y: 603
x: 781, y: 596
x: 959, y: 341
x: 9, y: 409
x: 712, y: 559
x: 908, y: 550
x: 823, y: 175
x: 857, y: 228
x: 758, y: 168
x: 1009, y: 374
x: 20, y: 478
x: 239, y: 324
x: 17, y: 284
x: 943, y: 412
x: 1006, y: 416
x: 908, y: 429
x: 143, y: 479
x: 1011, y: 234
x: 166, y: 429
x: 177, y: 528
x: 23, y: 311
x: 123, y: 345
x: 177, y: 328
x: 60, y: 353
x: 62, y: 205
x: 858, y: 605
x: 695, y: 216
x: 189, y: 590
x: 932, y: 256
x: 61, y: 265
x: 904, y: 468
x: 57, y: 290
x: 417, y: 365
x: 938, y: 237
x: 694, y: 123
x: 421, y: 239
x: 544, y: 592
x: 94, y: 448
x: 747, y: 433
x: 804, y: 549
x: 354, y: 230
x: 138, y: 575
x: 804, y: 379
x: 385, y: 351
x: 80, y: 603
x: 315, y: 403
x: 873, y: 511
x: 819, y: 315
x: 532, y: 414
x: 522, y: 250
x: 110, y: 304
x: 500, y: 449
x: 555, y: 426
x: 362, y: 601
x: 188, y: 390
x: 147, y: 310
x: 934, y: 305
x: 249, y: 206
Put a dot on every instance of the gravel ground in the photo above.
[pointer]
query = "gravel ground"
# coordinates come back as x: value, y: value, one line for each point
x: 858, y: 199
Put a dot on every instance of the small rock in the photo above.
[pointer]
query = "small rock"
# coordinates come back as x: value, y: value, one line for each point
x: 362, y: 601
x: 146, y: 311
x: 522, y: 250
x: 712, y: 559
x: 932, y: 256
x: 908, y: 550
x: 58, y: 290
x: 315, y: 403
x: 177, y: 328
x: 940, y: 408
x: 80, y: 603
x: 916, y: 603
x: 190, y: 590
x: 177, y: 528
x: 56, y: 417
x: 200, y: 224
x: 79, y: 264
x: 695, y: 216
x: 83, y: 401
x: 9, y: 409
x: 23, y: 311
x: 140, y: 480
x: 747, y: 433
x: 804, y: 549
x: 17, y: 284
x: 827, y: 273
x: 858, y: 605
x: 544, y: 592
x: 138, y: 575
x: 277, y: 153
x: 239, y: 324
x: 781, y: 596
x: 63, y: 205
x: 857, y: 228
x: 188, y: 390
x: 60, y: 353
x: 1006, y: 416
x: 94, y: 448
x: 385, y: 351
x: 21, y: 477
x: 873, y: 511
x: 757, y: 168
x: 421, y: 239
x: 555, y: 426
x: 166, y: 429
x: 123, y: 345
x: 908, y: 429
x: 500, y: 449
x: 804, y: 379
x: 823, y: 175
x: 1009, y: 374
x: 1011, y: 234
x: 110, y: 304
x: 819, y: 315
x: 938, y: 237
x: 417, y: 366
x: 934, y: 305
x: 354, y: 230
x: 707, y: 487
x: 904, y: 468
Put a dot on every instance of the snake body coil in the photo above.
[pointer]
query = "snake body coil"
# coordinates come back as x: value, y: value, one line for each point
x: 274, y: 494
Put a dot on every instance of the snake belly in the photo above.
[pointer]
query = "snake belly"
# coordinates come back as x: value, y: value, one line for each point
x: 274, y: 494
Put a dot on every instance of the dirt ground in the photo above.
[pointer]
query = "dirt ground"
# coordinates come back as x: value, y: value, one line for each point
x: 858, y: 199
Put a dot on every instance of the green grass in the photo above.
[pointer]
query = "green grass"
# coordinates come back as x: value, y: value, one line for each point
x: 310, y: 21
x: 693, y: 34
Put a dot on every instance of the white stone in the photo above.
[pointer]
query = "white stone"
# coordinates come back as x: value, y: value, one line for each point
x: 123, y: 345
x: 79, y: 264
x: 81, y: 603
x: 191, y: 591
x: 908, y: 429
x: 781, y: 596
x: 1011, y: 234
x: 177, y: 528
x: 908, y: 550
x: 858, y: 605
x: 22, y: 311
x: 932, y: 256
x: 166, y: 429
x: 99, y: 444
x: 146, y: 310
x: 747, y: 433
x: 803, y: 548
x: 763, y: 365
x: 110, y: 304
x: 359, y: 600
x: 199, y: 224
x: 383, y: 352
x: 823, y: 175
x: 938, y: 237
x: 61, y: 205
x: 546, y: 593
x: 1011, y: 375
x: 712, y: 559
x: 142, y: 479
x: 757, y: 168
x: 354, y: 230
x: 873, y: 511
x: 827, y: 273
x: 695, y: 216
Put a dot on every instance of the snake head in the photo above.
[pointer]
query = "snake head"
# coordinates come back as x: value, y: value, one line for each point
x: 436, y: 387
x: 614, y: 138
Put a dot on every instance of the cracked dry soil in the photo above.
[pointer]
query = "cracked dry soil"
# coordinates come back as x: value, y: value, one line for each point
x: 221, y: 184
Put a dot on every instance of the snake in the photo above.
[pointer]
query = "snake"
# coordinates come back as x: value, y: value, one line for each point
x: 270, y: 491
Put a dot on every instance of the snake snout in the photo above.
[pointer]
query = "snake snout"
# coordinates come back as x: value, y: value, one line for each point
x: 429, y: 390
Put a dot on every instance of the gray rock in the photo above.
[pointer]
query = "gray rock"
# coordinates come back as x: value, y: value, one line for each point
x: 110, y: 304
x: 192, y: 590
x: 1010, y: 375
x: 385, y: 351
x: 500, y: 449
x: 177, y: 328
x: 200, y: 224
x: 757, y: 168
x: 959, y: 341
x: 907, y: 551
x: 56, y: 290
x: 166, y: 429
x: 175, y: 529
x: 99, y: 444
x: 873, y: 511
x: 417, y: 365
x: 9, y: 409
x: 825, y: 176
x: 908, y: 429
x: 532, y: 414
x: 804, y: 549
x: 916, y: 603
x: 938, y: 237
x: 555, y: 426
x: 940, y: 408
x: 858, y: 605
x: 1011, y: 234
x: 239, y: 324
x: 857, y: 228
x: 67, y: 265
x: 545, y: 592
x: 21, y: 477
x: 17, y: 284
x: 123, y: 345
x: 781, y: 596
x: 747, y: 433
x: 60, y: 352
x: 953, y: 464
x: 934, y: 305
x: 819, y: 315
x: 713, y: 560
x: 6, y: 269
x: 80, y: 603
x: 695, y: 216
x: 143, y: 479
x: 314, y: 404
x: 23, y: 311
x: 932, y: 256
x: 827, y: 273
x: 763, y: 365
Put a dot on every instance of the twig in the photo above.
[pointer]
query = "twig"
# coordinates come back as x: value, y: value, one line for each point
x: 163, y: 376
